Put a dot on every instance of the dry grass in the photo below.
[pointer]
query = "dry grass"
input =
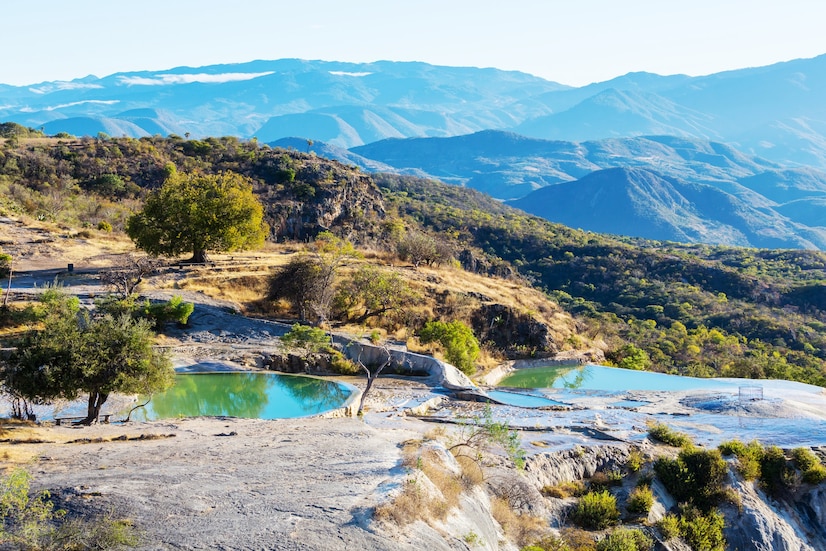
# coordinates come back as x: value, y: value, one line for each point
x: 431, y: 491
x: 520, y: 529
x: 565, y: 489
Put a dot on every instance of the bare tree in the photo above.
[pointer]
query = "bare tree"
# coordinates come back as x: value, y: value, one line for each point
x: 128, y: 273
x: 373, y: 370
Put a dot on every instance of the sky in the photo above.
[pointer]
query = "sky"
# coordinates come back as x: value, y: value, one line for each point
x: 572, y: 42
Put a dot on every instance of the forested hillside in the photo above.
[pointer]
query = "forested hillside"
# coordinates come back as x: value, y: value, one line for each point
x: 691, y: 309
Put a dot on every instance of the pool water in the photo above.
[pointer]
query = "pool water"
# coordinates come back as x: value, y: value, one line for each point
x: 522, y: 400
x: 247, y: 395
x: 598, y: 377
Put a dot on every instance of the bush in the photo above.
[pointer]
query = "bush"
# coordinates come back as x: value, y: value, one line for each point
x: 636, y: 461
x: 548, y: 543
x: 626, y: 540
x: 32, y: 522
x: 461, y: 346
x: 703, y: 532
x: 105, y: 226
x: 663, y: 433
x: 309, y: 339
x: 669, y: 526
x: 748, y: 457
x: 596, y: 511
x: 640, y: 500
x: 815, y: 474
x: 804, y: 458
x: 775, y: 472
x: 341, y: 365
x: 602, y: 480
x: 175, y: 310
x: 696, y: 476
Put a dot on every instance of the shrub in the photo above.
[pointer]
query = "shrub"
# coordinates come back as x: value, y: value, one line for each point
x: 640, y: 500
x: 732, y: 447
x: 669, y: 526
x: 804, y: 458
x: 635, y: 461
x: 461, y: 346
x: 175, y: 310
x: 748, y: 457
x: 626, y: 540
x: 696, y: 475
x: 775, y: 472
x: 32, y: 522
x: 105, y: 226
x: 341, y: 365
x: 548, y: 543
x: 703, y: 532
x: 815, y: 474
x: 521, y: 529
x: 602, y: 480
x: 596, y: 511
x: 663, y: 433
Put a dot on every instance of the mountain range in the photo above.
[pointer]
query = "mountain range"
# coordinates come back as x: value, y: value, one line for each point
x: 735, y: 158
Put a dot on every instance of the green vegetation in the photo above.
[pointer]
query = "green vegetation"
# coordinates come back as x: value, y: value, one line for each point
x: 640, y: 500
x: 687, y: 309
x: 79, y: 351
x: 695, y: 476
x: 308, y: 339
x: 461, y: 346
x: 596, y: 511
x: 626, y: 539
x: 666, y: 435
x: 772, y: 467
x: 693, y: 309
x: 32, y: 522
x: 199, y: 214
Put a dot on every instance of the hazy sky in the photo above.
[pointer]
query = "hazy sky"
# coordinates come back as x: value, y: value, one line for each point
x: 569, y: 41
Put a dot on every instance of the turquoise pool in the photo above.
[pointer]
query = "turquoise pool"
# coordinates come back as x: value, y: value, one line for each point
x: 248, y: 395
x: 598, y: 377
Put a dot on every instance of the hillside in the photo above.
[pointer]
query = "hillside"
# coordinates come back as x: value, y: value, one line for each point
x: 716, y: 193
x: 699, y: 309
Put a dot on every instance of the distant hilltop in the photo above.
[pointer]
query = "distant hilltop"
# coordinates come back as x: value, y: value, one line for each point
x: 775, y: 112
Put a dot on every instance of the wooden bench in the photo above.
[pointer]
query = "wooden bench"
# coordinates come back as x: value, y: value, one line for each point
x: 102, y: 418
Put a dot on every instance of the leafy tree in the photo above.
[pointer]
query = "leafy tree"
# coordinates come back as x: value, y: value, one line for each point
x: 77, y: 352
x: 376, y: 291
x: 418, y: 248
x: 461, y: 346
x: 308, y: 281
x: 199, y: 213
x: 299, y: 281
x: 306, y: 338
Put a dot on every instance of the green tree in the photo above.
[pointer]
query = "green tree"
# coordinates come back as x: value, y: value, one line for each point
x: 299, y: 281
x: 461, y: 346
x: 199, y: 213
x: 309, y: 281
x: 376, y: 291
x: 77, y: 352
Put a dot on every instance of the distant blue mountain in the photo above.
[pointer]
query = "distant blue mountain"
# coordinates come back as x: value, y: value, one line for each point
x: 658, y: 187
x: 776, y: 112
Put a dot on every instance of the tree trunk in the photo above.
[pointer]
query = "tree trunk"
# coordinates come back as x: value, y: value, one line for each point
x: 96, y: 401
x: 199, y: 256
